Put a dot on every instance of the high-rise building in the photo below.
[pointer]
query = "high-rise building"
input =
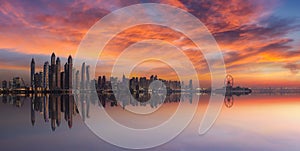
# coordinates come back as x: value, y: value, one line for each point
x: 32, y: 71
x: 103, y: 82
x: 52, y: 73
x: 82, y: 83
x: 53, y: 58
x: 10, y: 83
x: 38, y: 80
x: 99, y: 82
x: 66, y: 76
x: 70, y: 74
x: 4, y: 84
x: 191, y: 84
x: 77, y: 80
x: 57, y: 72
x: 46, y: 75
x: 88, y: 77
x: 16, y: 82
x: 62, y: 80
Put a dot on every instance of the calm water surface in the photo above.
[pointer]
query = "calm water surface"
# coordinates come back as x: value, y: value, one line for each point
x: 253, y: 122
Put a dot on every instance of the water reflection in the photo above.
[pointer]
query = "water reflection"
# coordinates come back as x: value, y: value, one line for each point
x: 153, y: 100
x: 228, y: 101
x: 268, y: 119
x: 55, y: 108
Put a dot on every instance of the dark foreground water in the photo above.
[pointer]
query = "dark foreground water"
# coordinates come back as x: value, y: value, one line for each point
x: 254, y: 122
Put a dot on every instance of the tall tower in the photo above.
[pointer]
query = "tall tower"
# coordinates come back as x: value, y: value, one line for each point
x: 53, y: 59
x: 88, y: 77
x: 32, y: 71
x: 74, y: 78
x: 70, y: 74
x: 103, y: 82
x: 99, y: 83
x: 66, y: 76
x: 77, y: 80
x: 57, y: 72
x: 62, y: 80
x: 191, y: 84
x: 52, y: 73
x: 46, y: 75
x: 82, y: 85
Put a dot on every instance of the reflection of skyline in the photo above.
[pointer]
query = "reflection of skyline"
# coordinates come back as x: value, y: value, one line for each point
x: 249, y: 116
x: 53, y: 108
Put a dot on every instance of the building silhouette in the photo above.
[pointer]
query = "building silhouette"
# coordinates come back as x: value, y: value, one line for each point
x: 57, y: 74
x: 46, y: 75
x: 4, y: 84
x: 82, y: 82
x: 69, y: 73
x: 52, y: 73
x: 88, y: 77
x: 32, y: 72
x: 52, y: 78
x: 76, y: 80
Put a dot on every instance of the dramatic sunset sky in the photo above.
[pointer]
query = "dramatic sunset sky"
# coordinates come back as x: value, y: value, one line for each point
x: 260, y: 39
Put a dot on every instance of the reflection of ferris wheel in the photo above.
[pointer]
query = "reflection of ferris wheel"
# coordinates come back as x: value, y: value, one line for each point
x: 228, y: 101
x: 228, y: 81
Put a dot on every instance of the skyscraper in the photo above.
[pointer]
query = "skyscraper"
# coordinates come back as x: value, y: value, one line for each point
x: 38, y: 80
x: 32, y: 71
x: 82, y: 84
x: 70, y: 74
x: 4, y: 84
x: 62, y: 80
x: 73, y: 77
x: 103, y: 82
x: 88, y: 77
x: 76, y: 80
x: 52, y: 73
x: 57, y: 72
x: 46, y: 75
x: 99, y: 83
x: 53, y: 58
x: 66, y: 76
x: 191, y: 85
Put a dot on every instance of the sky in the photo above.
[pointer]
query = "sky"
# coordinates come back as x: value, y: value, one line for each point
x: 259, y: 39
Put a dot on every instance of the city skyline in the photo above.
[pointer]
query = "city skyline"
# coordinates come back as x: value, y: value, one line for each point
x: 150, y: 75
x: 58, y: 78
x: 260, y: 47
x: 52, y: 77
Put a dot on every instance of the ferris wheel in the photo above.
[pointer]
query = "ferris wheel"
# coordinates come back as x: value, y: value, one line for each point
x: 228, y: 82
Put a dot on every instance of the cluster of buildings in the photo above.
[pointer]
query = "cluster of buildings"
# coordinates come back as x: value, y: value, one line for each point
x: 15, y: 83
x: 52, y: 78
x: 142, y: 84
x: 57, y: 78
